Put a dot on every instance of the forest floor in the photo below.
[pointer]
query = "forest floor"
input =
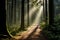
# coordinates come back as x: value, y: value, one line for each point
x: 33, y: 33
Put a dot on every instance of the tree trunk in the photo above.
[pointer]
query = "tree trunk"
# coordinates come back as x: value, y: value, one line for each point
x: 28, y: 11
x: 14, y: 11
x: 51, y: 12
x: 22, y: 16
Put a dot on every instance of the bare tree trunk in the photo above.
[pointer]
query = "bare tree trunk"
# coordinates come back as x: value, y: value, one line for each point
x: 22, y: 16
x: 51, y: 12
x: 28, y: 11
x: 14, y: 10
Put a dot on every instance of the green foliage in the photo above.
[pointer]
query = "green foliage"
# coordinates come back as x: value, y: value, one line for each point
x: 42, y: 25
x: 53, y: 31
x: 14, y: 29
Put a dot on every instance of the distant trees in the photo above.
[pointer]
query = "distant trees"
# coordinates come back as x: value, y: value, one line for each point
x: 56, y: 7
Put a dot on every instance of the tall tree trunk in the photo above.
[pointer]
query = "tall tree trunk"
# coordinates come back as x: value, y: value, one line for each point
x: 22, y: 16
x: 28, y: 12
x: 51, y: 12
x: 3, y: 30
x: 45, y: 10
x: 14, y: 12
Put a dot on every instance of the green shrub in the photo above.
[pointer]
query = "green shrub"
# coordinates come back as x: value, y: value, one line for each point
x: 53, y: 31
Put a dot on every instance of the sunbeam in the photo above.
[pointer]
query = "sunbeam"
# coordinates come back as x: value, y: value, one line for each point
x: 37, y: 19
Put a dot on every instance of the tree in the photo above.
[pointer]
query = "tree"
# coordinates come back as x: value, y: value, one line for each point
x: 22, y: 16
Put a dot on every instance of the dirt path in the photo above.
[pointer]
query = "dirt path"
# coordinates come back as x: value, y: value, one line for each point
x: 36, y: 35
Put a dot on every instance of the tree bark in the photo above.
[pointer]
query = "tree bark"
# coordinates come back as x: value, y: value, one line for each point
x: 51, y: 12
x: 22, y: 16
x: 28, y: 11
